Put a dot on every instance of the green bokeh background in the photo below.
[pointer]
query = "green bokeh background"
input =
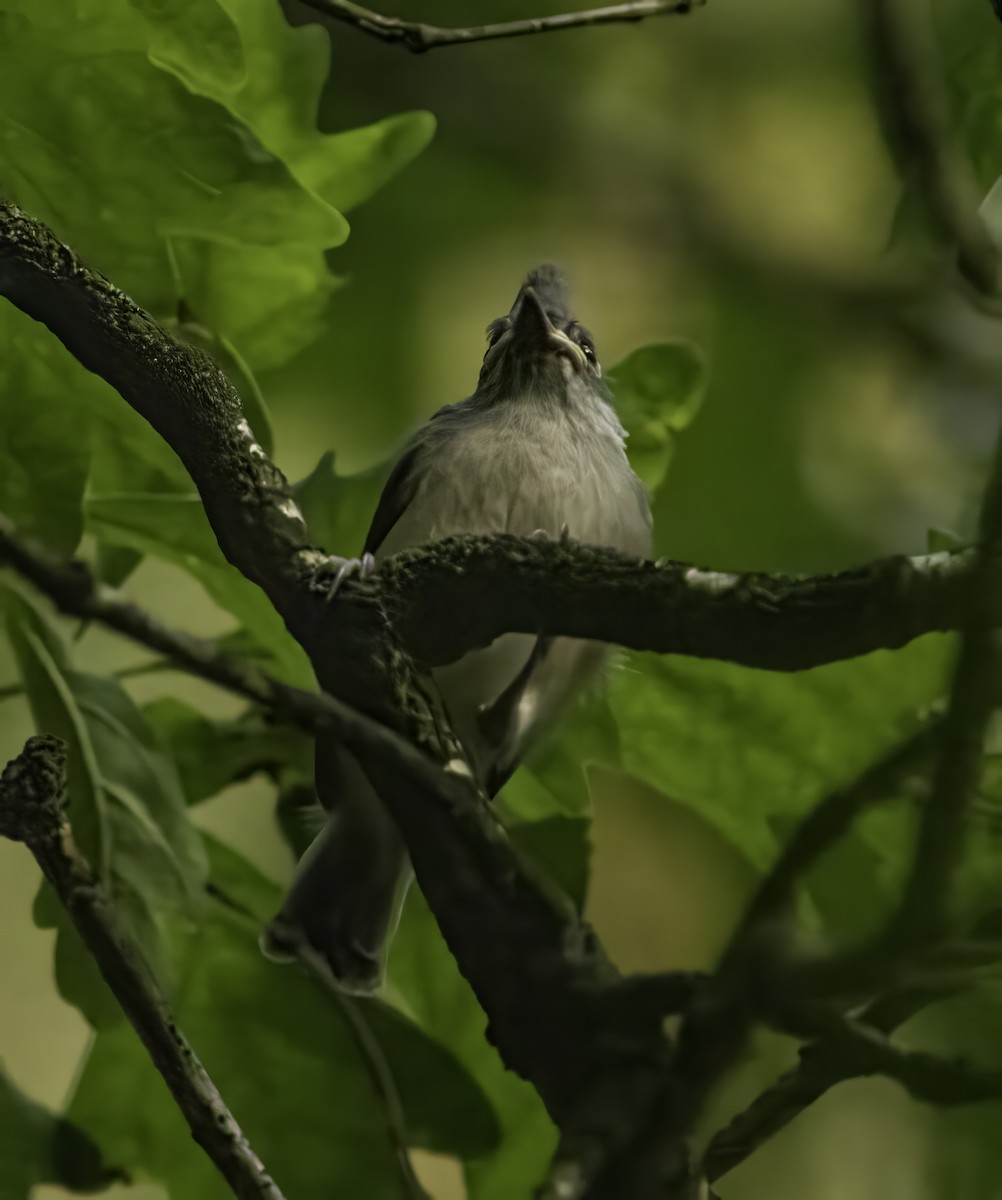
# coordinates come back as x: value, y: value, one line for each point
x: 818, y: 444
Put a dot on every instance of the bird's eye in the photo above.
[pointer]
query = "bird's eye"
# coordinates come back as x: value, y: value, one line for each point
x: 588, y: 350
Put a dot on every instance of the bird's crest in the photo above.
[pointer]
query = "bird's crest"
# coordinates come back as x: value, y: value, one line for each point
x: 550, y: 285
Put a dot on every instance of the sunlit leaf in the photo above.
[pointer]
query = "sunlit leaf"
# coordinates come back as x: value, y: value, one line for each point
x: 658, y: 390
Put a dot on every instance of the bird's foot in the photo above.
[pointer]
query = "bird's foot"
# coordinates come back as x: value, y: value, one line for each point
x: 339, y: 569
x: 544, y: 535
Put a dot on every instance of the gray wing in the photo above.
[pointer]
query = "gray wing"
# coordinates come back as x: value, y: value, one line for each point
x: 399, y: 489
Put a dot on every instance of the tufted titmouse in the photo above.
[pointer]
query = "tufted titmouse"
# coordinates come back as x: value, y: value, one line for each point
x: 537, y: 449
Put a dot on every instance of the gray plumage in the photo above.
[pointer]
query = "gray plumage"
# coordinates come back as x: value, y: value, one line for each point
x: 537, y: 449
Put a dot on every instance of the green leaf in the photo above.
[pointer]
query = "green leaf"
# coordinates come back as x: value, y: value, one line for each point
x: 269, y: 301
x: 658, y: 391
x: 847, y: 886
x: 338, y: 508
x: 210, y: 755
x: 197, y: 209
x: 196, y: 40
x: 227, y: 200
x: 938, y: 540
x: 38, y: 1147
x: 587, y: 734
x: 175, y: 528
x: 44, y: 448
x: 560, y: 846
x: 125, y: 802
x: 87, y: 80
x: 358, y: 162
x: 742, y: 746
x: 422, y: 969
x: 270, y: 75
x: 445, y: 1111
x: 262, y: 1031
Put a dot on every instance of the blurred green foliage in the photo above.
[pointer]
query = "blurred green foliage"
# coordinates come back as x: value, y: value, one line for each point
x: 39, y: 1147
x: 203, y: 155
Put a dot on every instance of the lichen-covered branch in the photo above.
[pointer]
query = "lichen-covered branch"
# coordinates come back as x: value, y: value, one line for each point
x: 418, y: 36
x: 455, y: 595
x: 537, y: 969
x: 32, y: 810
x: 460, y: 593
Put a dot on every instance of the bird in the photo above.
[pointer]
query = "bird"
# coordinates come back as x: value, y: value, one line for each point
x: 536, y: 450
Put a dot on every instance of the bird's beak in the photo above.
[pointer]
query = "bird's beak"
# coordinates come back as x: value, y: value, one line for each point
x: 532, y: 330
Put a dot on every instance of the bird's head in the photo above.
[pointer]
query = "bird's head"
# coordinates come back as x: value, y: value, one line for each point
x: 539, y: 346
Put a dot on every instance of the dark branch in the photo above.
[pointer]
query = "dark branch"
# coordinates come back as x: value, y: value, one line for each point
x: 32, y: 810
x: 927, y: 1077
x: 847, y: 1047
x: 418, y: 37
x: 461, y: 593
x: 458, y: 594
x: 177, y: 388
x: 823, y: 1064
x: 536, y: 968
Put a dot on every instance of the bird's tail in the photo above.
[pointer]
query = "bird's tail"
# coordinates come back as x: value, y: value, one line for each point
x: 347, y: 893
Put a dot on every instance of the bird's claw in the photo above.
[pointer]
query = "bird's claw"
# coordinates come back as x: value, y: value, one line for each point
x: 346, y: 568
x: 563, y: 538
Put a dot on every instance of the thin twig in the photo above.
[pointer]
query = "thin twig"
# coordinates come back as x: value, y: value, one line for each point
x: 418, y: 37
x: 32, y: 810
x: 823, y: 826
x: 822, y: 1065
x: 927, y: 1077
x: 375, y: 1060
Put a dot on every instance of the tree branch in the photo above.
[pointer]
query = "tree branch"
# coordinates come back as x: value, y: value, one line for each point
x: 461, y: 593
x: 418, y: 37
x: 823, y: 826
x: 32, y: 810
x: 176, y: 387
x: 926, y: 1077
x: 714, y: 1030
x: 822, y: 1065
x: 535, y: 966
